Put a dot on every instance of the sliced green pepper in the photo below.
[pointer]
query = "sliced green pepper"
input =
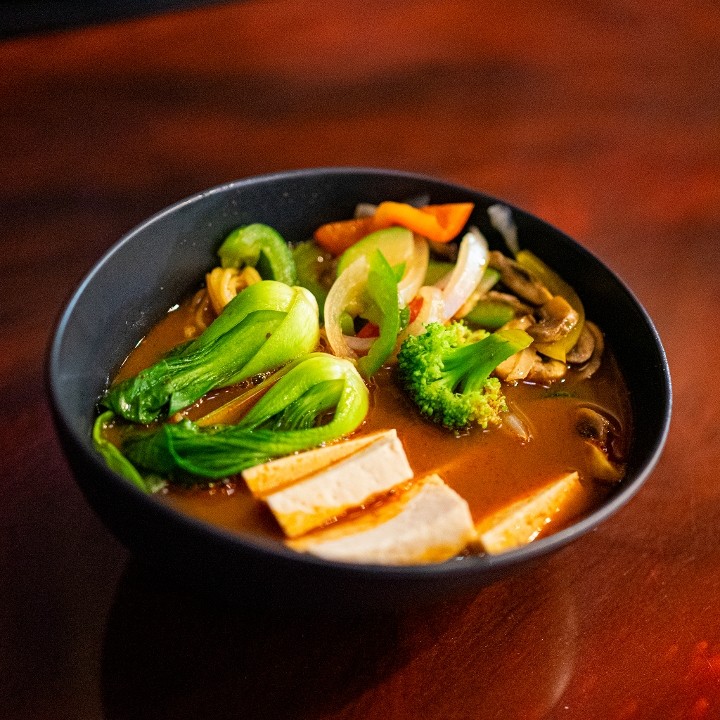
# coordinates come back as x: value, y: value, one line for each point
x: 395, y: 243
x: 311, y: 262
x: 490, y: 314
x: 384, y: 311
x: 263, y: 248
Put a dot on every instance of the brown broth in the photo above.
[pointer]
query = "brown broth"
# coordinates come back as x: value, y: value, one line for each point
x: 488, y: 468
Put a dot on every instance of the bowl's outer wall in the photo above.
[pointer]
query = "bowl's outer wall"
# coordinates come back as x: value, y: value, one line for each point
x: 161, y: 261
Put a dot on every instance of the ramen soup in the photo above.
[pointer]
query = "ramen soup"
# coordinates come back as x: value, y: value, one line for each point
x: 453, y: 400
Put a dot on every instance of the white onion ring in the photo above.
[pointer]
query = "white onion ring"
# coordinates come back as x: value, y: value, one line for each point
x: 502, y: 220
x: 432, y: 310
x: 359, y: 345
x: 415, y: 271
x: 343, y: 295
x: 364, y: 210
x: 470, y: 266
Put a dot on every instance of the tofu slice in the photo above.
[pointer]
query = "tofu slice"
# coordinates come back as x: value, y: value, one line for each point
x: 271, y: 476
x: 521, y: 522
x: 428, y: 522
x: 350, y: 483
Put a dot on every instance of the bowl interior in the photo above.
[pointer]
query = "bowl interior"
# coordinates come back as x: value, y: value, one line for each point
x: 160, y: 261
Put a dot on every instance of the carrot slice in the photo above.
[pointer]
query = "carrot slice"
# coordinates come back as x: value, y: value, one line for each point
x: 439, y: 223
x: 451, y: 218
x: 336, y: 237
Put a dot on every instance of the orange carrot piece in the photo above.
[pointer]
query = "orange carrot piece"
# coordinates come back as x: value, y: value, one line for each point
x: 336, y: 237
x: 439, y: 223
x: 451, y: 218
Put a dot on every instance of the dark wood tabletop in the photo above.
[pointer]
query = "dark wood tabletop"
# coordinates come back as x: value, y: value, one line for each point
x: 601, y: 117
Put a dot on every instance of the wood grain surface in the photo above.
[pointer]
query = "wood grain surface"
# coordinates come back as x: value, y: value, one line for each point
x: 602, y: 116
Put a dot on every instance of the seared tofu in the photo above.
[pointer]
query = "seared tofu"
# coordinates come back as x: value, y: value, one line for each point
x: 427, y: 522
x: 352, y: 482
x: 522, y: 521
x: 271, y: 476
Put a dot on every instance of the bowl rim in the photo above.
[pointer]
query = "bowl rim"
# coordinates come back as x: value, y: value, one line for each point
x: 454, y: 568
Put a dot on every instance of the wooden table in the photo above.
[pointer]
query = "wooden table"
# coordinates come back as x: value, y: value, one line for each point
x: 601, y: 117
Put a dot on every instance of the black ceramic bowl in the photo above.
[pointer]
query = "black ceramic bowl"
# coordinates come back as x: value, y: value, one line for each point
x: 160, y: 261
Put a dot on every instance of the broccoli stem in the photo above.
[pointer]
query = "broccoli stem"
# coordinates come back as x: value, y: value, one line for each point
x: 468, y: 367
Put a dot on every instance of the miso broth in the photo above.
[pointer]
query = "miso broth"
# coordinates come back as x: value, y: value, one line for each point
x: 488, y: 468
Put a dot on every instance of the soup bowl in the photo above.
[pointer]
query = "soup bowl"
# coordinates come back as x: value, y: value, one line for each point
x: 159, y: 262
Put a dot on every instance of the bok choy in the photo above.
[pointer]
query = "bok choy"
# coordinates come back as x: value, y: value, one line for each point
x: 317, y: 398
x: 263, y: 327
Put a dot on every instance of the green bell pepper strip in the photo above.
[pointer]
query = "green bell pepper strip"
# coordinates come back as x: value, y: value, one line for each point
x: 490, y: 314
x: 395, y: 243
x: 382, y: 291
x: 263, y: 248
x: 311, y: 262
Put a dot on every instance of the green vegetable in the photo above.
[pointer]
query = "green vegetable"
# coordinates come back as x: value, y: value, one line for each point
x: 395, y: 243
x: 263, y: 327
x: 383, y: 309
x: 436, y: 270
x: 290, y: 417
x: 490, y: 314
x: 262, y: 247
x: 311, y: 262
x: 117, y: 462
x: 557, y: 286
x: 114, y: 459
x: 446, y: 373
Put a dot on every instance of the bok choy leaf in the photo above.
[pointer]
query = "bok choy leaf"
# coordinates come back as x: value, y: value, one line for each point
x: 320, y: 398
x: 263, y: 327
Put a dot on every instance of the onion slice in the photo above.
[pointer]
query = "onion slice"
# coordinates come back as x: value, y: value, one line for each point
x: 431, y: 311
x: 502, y: 220
x: 470, y: 266
x: 344, y: 296
x: 415, y: 271
x: 359, y: 345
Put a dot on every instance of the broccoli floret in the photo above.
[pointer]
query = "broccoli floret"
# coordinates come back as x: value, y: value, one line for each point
x: 446, y: 372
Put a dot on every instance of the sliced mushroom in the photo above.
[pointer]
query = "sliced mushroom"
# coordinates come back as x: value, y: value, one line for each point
x: 600, y: 432
x: 520, y: 323
x: 602, y: 468
x: 517, y: 366
x: 546, y: 371
x: 556, y: 319
x: 593, y: 425
x: 446, y: 251
x: 518, y: 279
x: 591, y: 366
x: 583, y: 349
